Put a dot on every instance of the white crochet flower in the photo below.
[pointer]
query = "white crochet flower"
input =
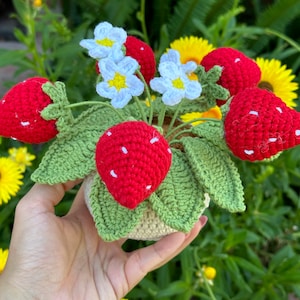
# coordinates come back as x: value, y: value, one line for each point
x: 107, y: 42
x: 119, y: 81
x: 174, y: 84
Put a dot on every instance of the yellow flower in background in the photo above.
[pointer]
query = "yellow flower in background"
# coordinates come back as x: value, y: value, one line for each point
x: 10, y: 179
x: 209, y: 272
x: 37, y: 3
x: 214, y: 113
x: 3, y: 258
x: 21, y: 157
x: 192, y: 48
x: 277, y: 78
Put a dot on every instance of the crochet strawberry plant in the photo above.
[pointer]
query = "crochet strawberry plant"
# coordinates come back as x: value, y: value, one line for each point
x: 145, y: 172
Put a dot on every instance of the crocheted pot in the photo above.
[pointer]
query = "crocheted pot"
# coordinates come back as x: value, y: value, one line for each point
x: 150, y: 226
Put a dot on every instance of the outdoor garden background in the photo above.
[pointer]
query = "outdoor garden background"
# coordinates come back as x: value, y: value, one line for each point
x: 251, y: 255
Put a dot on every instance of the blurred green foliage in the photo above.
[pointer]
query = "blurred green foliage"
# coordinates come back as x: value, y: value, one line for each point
x: 256, y: 253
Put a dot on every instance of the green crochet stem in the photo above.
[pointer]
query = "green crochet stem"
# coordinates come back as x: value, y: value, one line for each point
x: 148, y: 95
x: 139, y: 106
x: 174, y: 117
x: 73, y: 105
x: 161, y: 116
x: 169, y: 133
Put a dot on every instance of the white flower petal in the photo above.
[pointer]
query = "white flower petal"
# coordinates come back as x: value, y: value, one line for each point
x: 128, y: 64
x: 118, y: 34
x: 172, y: 96
x: 171, y: 56
x: 116, y: 53
x: 106, y: 91
x: 160, y: 84
x: 135, y: 85
x: 102, y: 29
x: 87, y: 43
x: 193, y: 89
x: 121, y: 99
x: 189, y: 67
x: 107, y: 68
x: 169, y: 70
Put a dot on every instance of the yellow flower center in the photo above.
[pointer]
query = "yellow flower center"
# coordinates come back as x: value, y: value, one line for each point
x: 119, y: 81
x: 178, y: 83
x: 105, y: 42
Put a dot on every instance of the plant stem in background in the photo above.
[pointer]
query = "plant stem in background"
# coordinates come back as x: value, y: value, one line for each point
x: 141, y: 17
x: 38, y: 60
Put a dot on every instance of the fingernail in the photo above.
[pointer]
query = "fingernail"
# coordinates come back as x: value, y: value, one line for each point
x: 203, y: 220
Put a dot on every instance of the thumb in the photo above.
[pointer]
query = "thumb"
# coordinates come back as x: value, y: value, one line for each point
x: 42, y: 198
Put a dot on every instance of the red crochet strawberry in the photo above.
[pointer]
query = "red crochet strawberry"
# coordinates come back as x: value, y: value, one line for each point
x: 20, y: 113
x: 143, y: 53
x: 132, y: 158
x: 259, y: 125
x: 239, y: 71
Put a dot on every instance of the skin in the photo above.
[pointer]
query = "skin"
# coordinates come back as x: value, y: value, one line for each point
x: 59, y: 258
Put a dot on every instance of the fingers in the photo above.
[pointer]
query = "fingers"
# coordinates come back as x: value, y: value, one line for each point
x: 43, y: 197
x: 149, y: 258
x: 79, y: 202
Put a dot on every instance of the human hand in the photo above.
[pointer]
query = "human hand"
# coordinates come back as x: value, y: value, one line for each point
x: 63, y: 258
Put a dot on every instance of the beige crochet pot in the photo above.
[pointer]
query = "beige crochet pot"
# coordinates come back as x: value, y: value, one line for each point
x: 150, y: 227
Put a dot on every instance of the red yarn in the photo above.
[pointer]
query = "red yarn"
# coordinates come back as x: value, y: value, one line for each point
x: 20, y: 110
x: 259, y: 125
x: 239, y: 71
x: 132, y: 158
x: 143, y: 53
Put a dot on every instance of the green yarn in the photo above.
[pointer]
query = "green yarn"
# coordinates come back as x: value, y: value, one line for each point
x: 58, y: 110
x: 71, y: 155
x: 179, y: 200
x: 211, y: 90
x: 216, y: 172
x: 112, y: 220
x: 213, y: 132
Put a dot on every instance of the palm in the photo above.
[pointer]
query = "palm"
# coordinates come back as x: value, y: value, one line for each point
x: 71, y: 258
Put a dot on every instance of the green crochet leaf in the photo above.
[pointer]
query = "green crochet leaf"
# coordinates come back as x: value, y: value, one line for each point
x: 211, y: 90
x: 112, y: 220
x: 179, y: 201
x: 216, y: 172
x: 212, y: 131
x: 59, y: 110
x: 71, y: 155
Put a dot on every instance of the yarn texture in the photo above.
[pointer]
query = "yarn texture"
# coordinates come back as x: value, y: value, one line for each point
x: 259, y: 125
x: 238, y: 70
x: 132, y: 159
x: 143, y: 54
x: 20, y: 111
x: 186, y: 176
